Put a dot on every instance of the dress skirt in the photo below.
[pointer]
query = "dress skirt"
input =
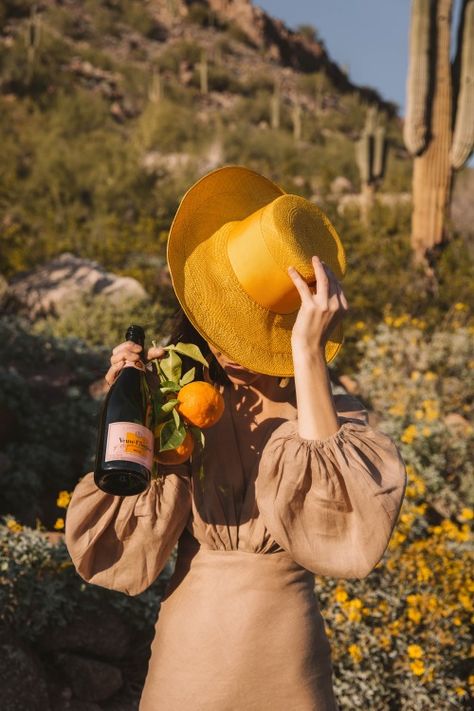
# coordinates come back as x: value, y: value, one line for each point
x: 239, y: 631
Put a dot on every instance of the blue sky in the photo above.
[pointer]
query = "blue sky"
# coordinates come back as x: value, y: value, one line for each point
x: 370, y: 37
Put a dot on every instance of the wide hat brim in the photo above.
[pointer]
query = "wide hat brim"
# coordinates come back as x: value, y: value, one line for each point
x: 206, y: 286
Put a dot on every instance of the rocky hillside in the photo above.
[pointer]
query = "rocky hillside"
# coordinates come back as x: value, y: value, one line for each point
x: 111, y: 108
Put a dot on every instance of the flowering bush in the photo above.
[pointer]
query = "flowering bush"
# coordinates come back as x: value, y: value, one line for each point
x: 400, y: 637
x: 421, y: 386
x: 40, y: 588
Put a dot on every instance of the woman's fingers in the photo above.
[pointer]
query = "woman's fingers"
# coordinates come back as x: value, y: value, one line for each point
x: 156, y: 352
x: 326, y: 283
x: 132, y: 352
x: 126, y: 351
x: 127, y: 345
x: 300, y: 284
x: 322, y: 279
x: 113, y: 371
x: 123, y: 355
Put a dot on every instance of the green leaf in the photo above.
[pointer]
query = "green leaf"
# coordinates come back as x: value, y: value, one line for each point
x: 176, y: 417
x: 171, y: 436
x: 172, y: 366
x: 191, y: 350
x: 168, y: 406
x: 170, y: 388
x: 198, y: 435
x: 188, y: 377
x: 169, y: 384
x: 201, y: 474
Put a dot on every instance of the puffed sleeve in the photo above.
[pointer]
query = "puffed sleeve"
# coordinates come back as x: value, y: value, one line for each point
x: 332, y: 503
x: 123, y: 542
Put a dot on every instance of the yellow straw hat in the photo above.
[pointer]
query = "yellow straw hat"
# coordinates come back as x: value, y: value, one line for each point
x: 233, y: 236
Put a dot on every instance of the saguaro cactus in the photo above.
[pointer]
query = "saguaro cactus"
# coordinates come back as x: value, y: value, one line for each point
x: 371, y: 155
x: 203, y: 73
x: 155, y: 89
x: 296, y: 119
x: 275, y: 105
x: 439, y: 122
x: 33, y: 38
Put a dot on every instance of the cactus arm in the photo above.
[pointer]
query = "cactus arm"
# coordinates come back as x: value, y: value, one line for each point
x: 415, y: 130
x: 463, y: 137
x: 380, y: 153
x: 364, y: 157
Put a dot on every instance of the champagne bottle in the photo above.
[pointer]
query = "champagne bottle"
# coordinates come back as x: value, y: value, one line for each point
x: 124, y: 456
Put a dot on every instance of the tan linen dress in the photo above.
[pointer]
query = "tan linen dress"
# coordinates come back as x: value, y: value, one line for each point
x: 239, y: 628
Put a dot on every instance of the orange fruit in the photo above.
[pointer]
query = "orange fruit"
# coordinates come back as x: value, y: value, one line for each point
x: 200, y: 404
x: 179, y: 454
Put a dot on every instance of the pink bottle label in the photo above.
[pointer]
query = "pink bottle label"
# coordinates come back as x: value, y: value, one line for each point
x: 131, y: 442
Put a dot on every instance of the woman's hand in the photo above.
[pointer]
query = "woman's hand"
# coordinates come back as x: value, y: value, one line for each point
x: 132, y: 352
x: 320, y: 311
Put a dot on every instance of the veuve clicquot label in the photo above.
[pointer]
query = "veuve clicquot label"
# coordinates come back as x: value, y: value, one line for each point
x: 130, y: 442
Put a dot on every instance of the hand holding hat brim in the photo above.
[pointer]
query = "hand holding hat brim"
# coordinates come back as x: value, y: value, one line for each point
x: 320, y: 310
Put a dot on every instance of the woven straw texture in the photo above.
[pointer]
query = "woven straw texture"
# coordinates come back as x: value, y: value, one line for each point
x: 205, y: 283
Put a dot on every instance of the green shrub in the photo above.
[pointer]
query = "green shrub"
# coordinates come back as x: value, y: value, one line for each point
x: 40, y: 588
x: 98, y: 320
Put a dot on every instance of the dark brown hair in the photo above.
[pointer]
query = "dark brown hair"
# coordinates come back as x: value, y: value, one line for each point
x: 183, y: 330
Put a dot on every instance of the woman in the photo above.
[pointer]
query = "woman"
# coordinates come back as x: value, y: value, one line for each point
x: 295, y: 481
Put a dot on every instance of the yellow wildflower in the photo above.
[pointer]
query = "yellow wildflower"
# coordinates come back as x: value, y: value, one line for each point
x: 429, y: 375
x: 355, y: 652
x: 401, y: 320
x: 415, y: 375
x: 341, y: 595
x: 64, y: 497
x: 414, y: 614
x: 417, y: 667
x: 426, y: 431
x: 59, y: 525
x: 409, y: 434
x: 414, y: 651
x: 353, y: 613
x: 398, y: 409
x: 423, y: 574
x: 14, y: 526
x: 466, y: 514
x: 459, y: 306
x: 465, y: 600
x: 360, y: 325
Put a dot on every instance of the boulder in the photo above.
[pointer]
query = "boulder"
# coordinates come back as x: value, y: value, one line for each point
x: 90, y: 679
x: 52, y: 287
x: 100, y: 632
x: 341, y: 185
x: 22, y: 684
